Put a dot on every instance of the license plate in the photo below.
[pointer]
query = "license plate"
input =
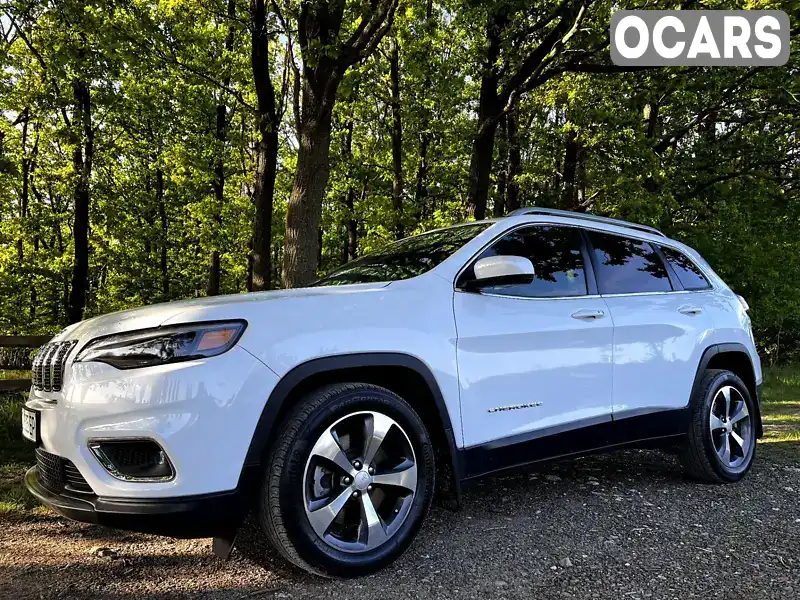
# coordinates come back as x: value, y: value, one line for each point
x: 30, y: 425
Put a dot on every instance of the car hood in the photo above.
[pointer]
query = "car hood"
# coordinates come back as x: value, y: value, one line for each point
x: 153, y: 316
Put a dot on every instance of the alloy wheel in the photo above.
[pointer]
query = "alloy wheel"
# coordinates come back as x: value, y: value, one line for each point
x: 360, y: 482
x: 731, y: 428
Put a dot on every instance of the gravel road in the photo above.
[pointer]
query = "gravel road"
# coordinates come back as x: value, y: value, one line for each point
x: 622, y: 526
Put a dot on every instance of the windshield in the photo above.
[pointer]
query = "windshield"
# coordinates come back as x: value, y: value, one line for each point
x: 406, y: 258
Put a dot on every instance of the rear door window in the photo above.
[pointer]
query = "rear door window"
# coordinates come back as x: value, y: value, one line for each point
x: 689, y: 274
x: 627, y: 266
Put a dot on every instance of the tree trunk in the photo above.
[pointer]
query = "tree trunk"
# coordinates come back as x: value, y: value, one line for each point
x: 304, y: 210
x: 325, y: 60
x: 569, y: 195
x: 651, y: 114
x: 276, y: 262
x: 514, y: 162
x: 397, y: 141
x: 266, y: 161
x: 480, y: 169
x: 421, y: 188
x: 215, y: 274
x: 82, y: 156
x: 26, y: 164
x: 580, y: 181
x: 489, y: 107
x: 162, y: 216
x: 248, y: 280
x: 351, y: 225
x: 266, y: 149
x: 502, y: 172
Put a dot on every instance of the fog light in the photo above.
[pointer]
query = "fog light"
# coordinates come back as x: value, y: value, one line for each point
x: 133, y: 460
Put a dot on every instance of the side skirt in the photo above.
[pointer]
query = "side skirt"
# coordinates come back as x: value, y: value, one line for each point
x: 652, y: 429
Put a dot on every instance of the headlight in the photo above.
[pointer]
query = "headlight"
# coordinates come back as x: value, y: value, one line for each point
x: 149, y: 347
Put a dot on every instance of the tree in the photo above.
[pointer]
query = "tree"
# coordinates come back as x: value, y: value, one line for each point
x: 266, y: 159
x: 522, y: 52
x: 117, y: 113
x: 328, y: 48
x: 397, y: 139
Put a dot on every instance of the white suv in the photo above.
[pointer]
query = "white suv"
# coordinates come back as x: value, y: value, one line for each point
x: 331, y: 411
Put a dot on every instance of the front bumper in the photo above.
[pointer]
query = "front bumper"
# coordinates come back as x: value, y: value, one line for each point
x: 205, y: 515
x: 202, y: 413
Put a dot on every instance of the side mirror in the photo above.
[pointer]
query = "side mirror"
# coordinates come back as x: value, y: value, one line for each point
x: 497, y: 270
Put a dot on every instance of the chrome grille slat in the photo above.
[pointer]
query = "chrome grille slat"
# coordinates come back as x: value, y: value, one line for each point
x: 42, y: 363
x: 47, y: 371
x: 60, y: 361
x: 35, y: 369
x: 47, y: 379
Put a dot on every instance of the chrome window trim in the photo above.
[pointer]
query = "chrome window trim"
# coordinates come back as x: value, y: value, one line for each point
x: 583, y: 297
x: 656, y: 293
x: 586, y: 297
x: 464, y: 267
x: 645, y: 294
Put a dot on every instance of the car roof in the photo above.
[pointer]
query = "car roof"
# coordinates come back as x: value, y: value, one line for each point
x: 554, y: 212
x: 577, y: 219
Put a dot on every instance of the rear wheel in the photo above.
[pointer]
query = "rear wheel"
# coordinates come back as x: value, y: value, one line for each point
x: 349, y: 481
x: 721, y: 443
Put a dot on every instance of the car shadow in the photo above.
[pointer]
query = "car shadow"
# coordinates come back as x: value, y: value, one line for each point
x: 505, y: 541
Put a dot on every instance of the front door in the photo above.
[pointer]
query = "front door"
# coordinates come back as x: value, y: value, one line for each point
x: 534, y: 360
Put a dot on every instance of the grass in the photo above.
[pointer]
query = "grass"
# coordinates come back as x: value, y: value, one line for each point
x: 12, y: 374
x: 781, y: 409
x: 780, y: 413
x: 16, y: 455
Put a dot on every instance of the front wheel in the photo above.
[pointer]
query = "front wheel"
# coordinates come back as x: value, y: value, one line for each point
x: 721, y: 443
x: 349, y: 481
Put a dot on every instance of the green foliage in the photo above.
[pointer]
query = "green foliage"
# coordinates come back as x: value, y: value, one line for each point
x: 16, y: 456
x: 781, y: 408
x: 710, y: 155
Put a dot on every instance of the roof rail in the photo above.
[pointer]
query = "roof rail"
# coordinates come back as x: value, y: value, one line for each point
x: 554, y: 212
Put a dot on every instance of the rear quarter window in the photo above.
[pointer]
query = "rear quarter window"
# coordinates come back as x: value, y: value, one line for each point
x: 688, y: 273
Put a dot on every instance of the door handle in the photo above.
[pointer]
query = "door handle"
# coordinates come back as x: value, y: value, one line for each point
x: 692, y: 311
x: 588, y: 315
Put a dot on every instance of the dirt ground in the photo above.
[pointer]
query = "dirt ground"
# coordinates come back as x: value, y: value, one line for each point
x: 623, y: 526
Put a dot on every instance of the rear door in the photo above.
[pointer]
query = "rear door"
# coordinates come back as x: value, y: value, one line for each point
x: 534, y: 360
x: 660, y: 329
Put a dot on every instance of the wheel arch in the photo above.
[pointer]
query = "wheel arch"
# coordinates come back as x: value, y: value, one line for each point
x: 403, y: 374
x: 733, y: 357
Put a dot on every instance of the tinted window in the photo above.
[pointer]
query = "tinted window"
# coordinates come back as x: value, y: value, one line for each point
x: 405, y: 259
x: 689, y: 274
x: 625, y: 266
x: 557, y: 261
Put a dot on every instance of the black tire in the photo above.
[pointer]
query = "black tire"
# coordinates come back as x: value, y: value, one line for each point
x: 281, y: 508
x: 698, y: 453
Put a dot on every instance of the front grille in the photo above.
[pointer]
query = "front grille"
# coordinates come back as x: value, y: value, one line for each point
x: 47, y: 371
x: 51, y: 470
x: 59, y: 474
x: 73, y: 480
